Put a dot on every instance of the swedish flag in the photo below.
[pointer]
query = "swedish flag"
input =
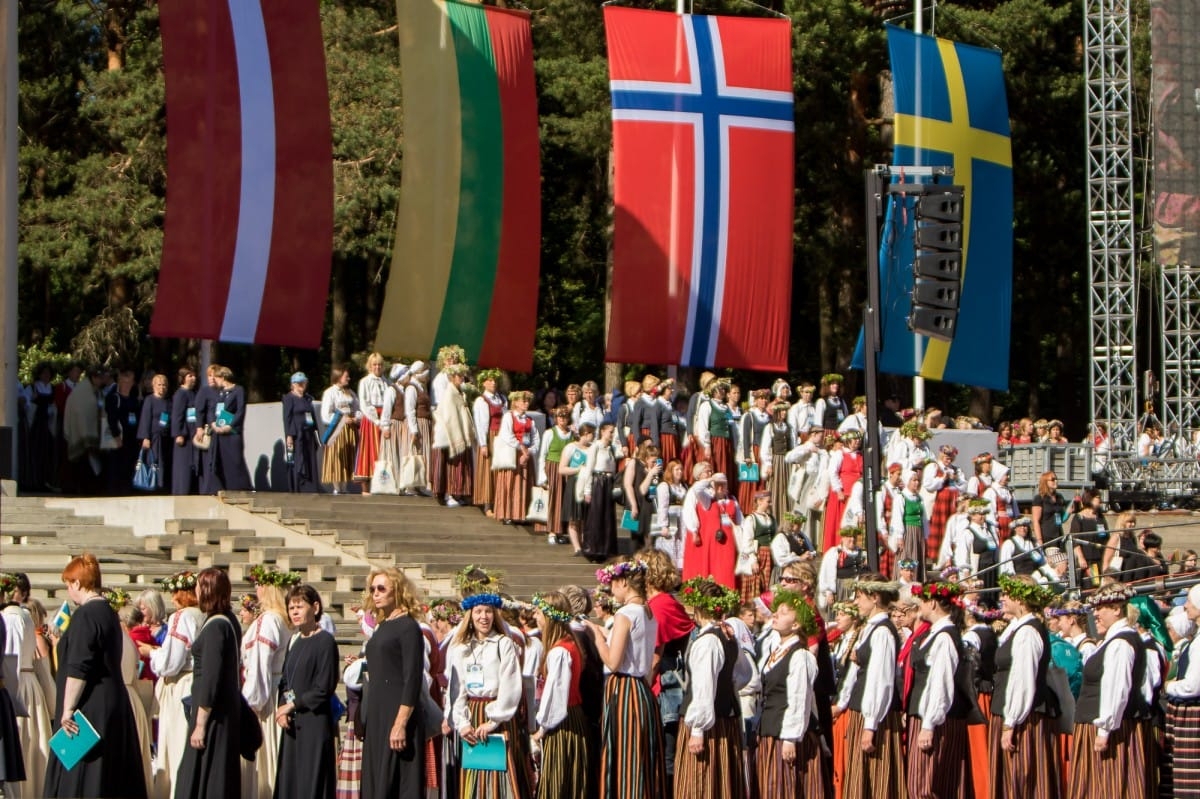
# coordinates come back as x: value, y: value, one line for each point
x: 62, y: 619
x: 951, y: 110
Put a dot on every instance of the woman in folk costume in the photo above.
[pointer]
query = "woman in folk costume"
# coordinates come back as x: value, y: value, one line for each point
x: 874, y: 756
x: 1002, y: 505
x: 1108, y: 747
x: 848, y: 626
x: 452, y: 475
x: 449, y: 355
x: 264, y: 648
x: 811, y: 491
x: 554, y: 442
x: 716, y: 432
x: 488, y: 410
x: 858, y: 419
x: 34, y: 725
x: 339, y: 406
x: 984, y: 475
x: 572, y: 468
x: 776, y: 442
x: 172, y: 662
x: 802, y: 415
x: 888, y: 503
x: 300, y: 433
x: 754, y: 537
x: 979, y: 635
x: 709, y: 516
x: 1019, y: 555
x: 600, y: 525
x: 643, y: 418
x: 669, y: 430
x: 830, y: 409
x: 375, y: 397
x: 632, y: 760
x: 562, y: 727
x: 789, y: 749
x: 937, y: 710
x: 669, y: 495
x: 1021, y: 739
x: 643, y: 471
x: 708, y: 752
x: 1182, y: 746
x: 692, y: 452
x: 908, y: 446
x: 845, y: 469
x: 749, y: 443
x: 942, y: 482
x: 416, y: 431
x: 619, y: 408
x: 909, y: 524
x: 985, y: 547
x: 588, y: 409
x: 519, y: 435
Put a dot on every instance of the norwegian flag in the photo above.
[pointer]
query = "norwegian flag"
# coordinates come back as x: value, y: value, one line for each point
x: 702, y: 136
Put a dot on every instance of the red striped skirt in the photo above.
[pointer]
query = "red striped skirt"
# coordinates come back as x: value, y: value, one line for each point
x: 878, y: 774
x: 1031, y: 772
x: 668, y: 448
x: 516, y: 782
x: 485, y: 484
x: 840, y: 725
x: 942, y: 771
x: 633, y: 763
x: 368, y: 450
x: 1119, y: 772
x: 943, y: 508
x: 349, y: 766
x: 1181, y: 752
x: 799, y: 780
x: 460, y: 474
x: 977, y: 738
x: 746, y: 491
x: 691, y: 454
x: 723, y: 462
x: 512, y: 491
x: 715, y: 773
x: 752, y: 586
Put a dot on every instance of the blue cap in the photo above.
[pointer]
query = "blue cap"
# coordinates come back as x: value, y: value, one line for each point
x: 299, y: 377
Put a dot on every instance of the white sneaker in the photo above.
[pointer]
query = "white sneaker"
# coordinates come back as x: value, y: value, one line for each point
x: 551, y: 539
x: 451, y: 502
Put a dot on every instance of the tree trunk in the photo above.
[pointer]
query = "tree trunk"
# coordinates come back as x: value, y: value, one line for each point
x: 825, y: 325
x: 339, y: 318
x: 612, y: 371
x: 980, y: 404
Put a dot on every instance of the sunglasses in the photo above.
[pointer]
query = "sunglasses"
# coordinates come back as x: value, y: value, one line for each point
x: 790, y: 580
x: 380, y: 589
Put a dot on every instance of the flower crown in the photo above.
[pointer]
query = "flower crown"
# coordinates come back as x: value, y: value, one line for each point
x: 794, y: 518
x: 488, y: 600
x: 488, y: 374
x: 448, y: 352
x: 446, y: 610
x: 269, y: 575
x: 468, y: 581
x: 876, y: 586
x: 693, y: 596
x: 951, y: 592
x: 832, y: 377
x: 619, y: 571
x: 117, y: 597
x: 1033, y: 596
x: 8, y: 583
x: 549, y: 611
x: 250, y: 603
x: 984, y: 614
x: 805, y: 618
x: 906, y: 563
x: 180, y: 581
x: 849, y: 608
x: 847, y: 532
x: 1057, y: 613
x: 914, y: 429
x: 1114, y: 594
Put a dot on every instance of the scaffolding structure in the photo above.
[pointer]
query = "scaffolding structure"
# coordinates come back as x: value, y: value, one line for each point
x: 1112, y: 267
x: 1180, y: 315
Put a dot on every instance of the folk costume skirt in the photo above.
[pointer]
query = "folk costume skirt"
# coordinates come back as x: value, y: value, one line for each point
x: 565, y: 761
x: 512, y: 491
x: 746, y: 491
x: 1181, y: 752
x: 943, y: 508
x: 838, y: 744
x: 1119, y: 772
x: 1031, y: 772
x: 752, y: 586
x: 777, y: 484
x: 338, y: 458
x: 369, y: 449
x: 515, y: 782
x: 485, y: 478
x: 633, y: 764
x: 977, y: 746
x: 554, y: 507
x: 878, y: 774
x: 942, y: 772
x: 802, y: 779
x: 717, y: 772
x: 724, y: 463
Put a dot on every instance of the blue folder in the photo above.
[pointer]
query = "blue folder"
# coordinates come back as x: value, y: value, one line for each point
x: 489, y: 755
x: 72, y: 749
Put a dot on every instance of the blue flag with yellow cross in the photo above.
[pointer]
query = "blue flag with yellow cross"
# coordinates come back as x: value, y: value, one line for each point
x: 951, y: 110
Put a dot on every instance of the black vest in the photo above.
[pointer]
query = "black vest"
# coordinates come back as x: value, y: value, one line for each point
x: 797, y: 545
x: 780, y: 440
x: 1087, y: 707
x: 775, y: 696
x: 851, y: 564
x: 862, y: 654
x: 1004, y: 661
x: 1181, y: 667
x: 960, y: 706
x: 835, y: 412
x: 987, y: 658
x: 725, y: 701
x: 1023, y: 562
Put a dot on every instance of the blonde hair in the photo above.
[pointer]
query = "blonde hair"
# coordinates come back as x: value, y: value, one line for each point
x: 272, y: 599
x: 466, y: 631
x: 661, y: 574
x: 408, y: 598
x: 374, y: 357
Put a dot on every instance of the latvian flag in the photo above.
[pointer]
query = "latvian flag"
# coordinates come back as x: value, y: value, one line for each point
x: 249, y: 221
x: 702, y: 134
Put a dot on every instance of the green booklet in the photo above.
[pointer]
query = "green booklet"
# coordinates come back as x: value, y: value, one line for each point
x: 73, y: 748
x: 488, y: 755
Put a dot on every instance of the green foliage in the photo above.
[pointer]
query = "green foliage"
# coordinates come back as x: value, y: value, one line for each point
x: 29, y: 357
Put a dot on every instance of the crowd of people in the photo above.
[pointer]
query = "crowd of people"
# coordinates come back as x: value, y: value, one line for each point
x: 645, y: 685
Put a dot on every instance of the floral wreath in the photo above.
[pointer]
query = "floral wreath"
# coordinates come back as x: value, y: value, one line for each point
x: 488, y: 600
x: 716, y: 606
x: 950, y: 592
x: 180, y: 581
x: 906, y: 563
x: 984, y: 614
x: 8, y: 583
x: 549, y: 611
x: 513, y: 605
x: 269, y: 575
x: 1114, y: 594
x: 466, y: 583
x: 619, y: 571
x: 832, y: 377
x: 848, y: 531
x: 1032, y: 596
x: 250, y: 603
x: 446, y: 610
x: 795, y: 519
x: 805, y: 617
x: 484, y: 375
x: 1058, y: 613
x: 849, y: 608
x: 914, y: 429
x: 117, y: 597
x: 876, y: 586
x: 450, y: 351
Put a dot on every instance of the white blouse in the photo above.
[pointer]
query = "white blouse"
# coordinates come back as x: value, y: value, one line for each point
x: 337, y: 400
x: 175, y: 654
x: 880, y: 676
x: 801, y: 698
x: 1186, y: 685
x: 1022, y: 678
x: 264, y: 647
x: 638, y: 657
x: 1116, y: 681
x: 942, y: 657
x: 487, y: 669
x: 556, y: 691
x: 705, y: 659
x: 374, y: 392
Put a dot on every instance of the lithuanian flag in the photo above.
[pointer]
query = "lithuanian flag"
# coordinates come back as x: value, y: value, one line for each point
x: 465, y: 267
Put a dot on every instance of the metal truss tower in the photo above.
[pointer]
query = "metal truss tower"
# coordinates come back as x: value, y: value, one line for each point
x: 1180, y: 310
x: 1112, y: 268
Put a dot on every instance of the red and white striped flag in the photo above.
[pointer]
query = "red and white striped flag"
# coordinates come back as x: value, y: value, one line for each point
x: 249, y: 222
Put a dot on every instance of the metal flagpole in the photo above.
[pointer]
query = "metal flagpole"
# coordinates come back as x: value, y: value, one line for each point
x: 918, y: 384
x: 8, y: 244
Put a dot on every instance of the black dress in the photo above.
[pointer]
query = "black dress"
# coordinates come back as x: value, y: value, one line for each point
x: 306, y: 760
x: 216, y: 770
x: 298, y: 422
x: 395, y: 663
x: 228, y: 451
x: 206, y: 402
x: 90, y: 650
x: 12, y: 761
x: 185, y: 461
x: 155, y: 424
x: 121, y: 414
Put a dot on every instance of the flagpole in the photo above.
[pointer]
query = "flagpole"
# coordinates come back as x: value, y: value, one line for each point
x: 8, y: 242
x: 918, y: 384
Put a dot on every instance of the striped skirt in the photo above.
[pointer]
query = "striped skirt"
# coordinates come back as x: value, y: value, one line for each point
x: 368, y: 450
x: 668, y: 446
x: 1031, y: 772
x: 746, y: 491
x: 512, y: 491
x: 1181, y: 752
x: 840, y: 725
x: 691, y: 454
x: 878, y: 774
x: 337, y: 459
x: 516, y: 782
x: 1119, y: 772
x: 633, y: 764
x: 554, y: 507
x: 799, y: 780
x: 977, y: 745
x: 349, y: 765
x: 942, y: 772
x: 485, y: 479
x: 777, y: 484
x: 752, y: 586
x: 723, y: 462
x: 452, y: 477
x: 943, y: 508
x: 565, y: 765
x: 715, y: 773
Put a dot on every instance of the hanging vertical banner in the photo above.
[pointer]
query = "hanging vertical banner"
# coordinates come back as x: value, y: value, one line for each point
x: 951, y: 110
x: 248, y: 235
x: 468, y: 231
x: 703, y: 160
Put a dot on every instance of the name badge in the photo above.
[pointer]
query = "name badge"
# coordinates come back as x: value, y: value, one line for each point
x: 163, y: 419
x: 526, y: 441
x: 132, y: 419
x: 308, y: 420
x: 191, y: 414
x: 220, y: 408
x: 726, y: 520
x: 474, y: 677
